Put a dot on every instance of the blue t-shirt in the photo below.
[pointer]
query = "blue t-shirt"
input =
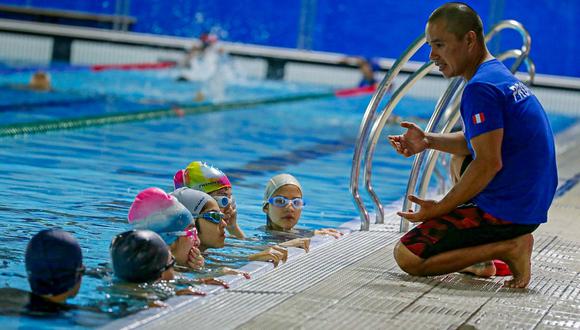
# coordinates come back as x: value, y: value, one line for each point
x: 522, y: 191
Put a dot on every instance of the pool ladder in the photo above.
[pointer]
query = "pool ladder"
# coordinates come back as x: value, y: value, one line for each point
x: 444, y: 118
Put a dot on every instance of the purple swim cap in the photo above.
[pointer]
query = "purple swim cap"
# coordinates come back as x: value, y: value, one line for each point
x: 178, y: 180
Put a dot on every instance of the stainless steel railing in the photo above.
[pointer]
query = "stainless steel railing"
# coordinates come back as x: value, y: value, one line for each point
x: 445, y: 116
x: 368, y: 118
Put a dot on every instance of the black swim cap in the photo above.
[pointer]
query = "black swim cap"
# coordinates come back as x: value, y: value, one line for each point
x: 53, y: 262
x: 139, y: 256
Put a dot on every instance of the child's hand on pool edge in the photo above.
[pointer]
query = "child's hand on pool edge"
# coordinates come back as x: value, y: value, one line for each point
x: 190, y: 291
x: 328, y: 231
x: 301, y: 243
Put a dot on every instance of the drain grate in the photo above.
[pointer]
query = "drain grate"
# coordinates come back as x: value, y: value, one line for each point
x: 235, y: 307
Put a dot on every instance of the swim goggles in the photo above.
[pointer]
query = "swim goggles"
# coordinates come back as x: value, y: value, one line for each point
x: 190, y: 233
x: 169, y: 265
x: 281, y: 201
x: 212, y: 216
x: 224, y: 201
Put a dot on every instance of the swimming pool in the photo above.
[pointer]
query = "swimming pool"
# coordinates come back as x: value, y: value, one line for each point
x: 85, y: 180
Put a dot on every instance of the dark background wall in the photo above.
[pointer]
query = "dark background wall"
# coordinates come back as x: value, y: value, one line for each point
x: 382, y: 28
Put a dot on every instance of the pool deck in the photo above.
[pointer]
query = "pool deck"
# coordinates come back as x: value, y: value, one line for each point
x: 354, y: 282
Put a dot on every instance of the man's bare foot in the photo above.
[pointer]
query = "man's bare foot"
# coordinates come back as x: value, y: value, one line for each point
x: 519, y: 260
x: 481, y: 269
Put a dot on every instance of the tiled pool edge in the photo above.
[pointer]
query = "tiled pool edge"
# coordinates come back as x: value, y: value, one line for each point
x: 255, y: 268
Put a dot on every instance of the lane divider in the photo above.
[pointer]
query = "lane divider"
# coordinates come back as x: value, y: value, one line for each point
x: 174, y: 111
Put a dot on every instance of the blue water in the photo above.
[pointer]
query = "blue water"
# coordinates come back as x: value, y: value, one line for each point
x: 109, y: 92
x: 85, y: 180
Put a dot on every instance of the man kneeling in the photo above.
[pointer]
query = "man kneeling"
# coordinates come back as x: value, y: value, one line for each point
x: 506, y: 190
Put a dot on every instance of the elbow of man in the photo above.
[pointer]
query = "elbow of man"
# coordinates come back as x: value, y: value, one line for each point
x: 496, y: 166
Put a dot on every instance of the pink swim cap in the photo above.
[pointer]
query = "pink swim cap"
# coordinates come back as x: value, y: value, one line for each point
x: 202, y: 177
x: 155, y: 210
x: 178, y: 180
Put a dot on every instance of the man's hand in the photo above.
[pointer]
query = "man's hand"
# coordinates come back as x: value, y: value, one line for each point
x: 429, y: 210
x: 410, y: 143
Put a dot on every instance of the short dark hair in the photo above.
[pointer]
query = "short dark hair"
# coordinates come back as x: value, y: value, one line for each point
x: 460, y: 19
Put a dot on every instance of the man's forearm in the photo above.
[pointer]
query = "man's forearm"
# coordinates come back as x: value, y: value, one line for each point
x: 477, y: 176
x: 453, y: 143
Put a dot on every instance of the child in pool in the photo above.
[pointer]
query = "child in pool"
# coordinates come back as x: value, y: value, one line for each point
x: 283, y: 205
x: 210, y: 224
x: 155, y: 210
x: 54, y: 263
x: 141, y: 256
x: 200, y: 176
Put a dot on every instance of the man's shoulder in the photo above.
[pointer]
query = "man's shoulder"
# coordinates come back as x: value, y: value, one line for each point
x: 492, y: 70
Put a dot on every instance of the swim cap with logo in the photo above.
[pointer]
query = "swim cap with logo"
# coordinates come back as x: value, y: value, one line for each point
x: 193, y: 200
x: 200, y: 176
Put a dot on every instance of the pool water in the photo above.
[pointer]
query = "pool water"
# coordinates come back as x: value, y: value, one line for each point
x: 85, y: 180
x: 116, y: 91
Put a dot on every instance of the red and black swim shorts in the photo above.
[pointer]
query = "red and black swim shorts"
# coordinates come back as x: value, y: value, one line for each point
x: 466, y: 226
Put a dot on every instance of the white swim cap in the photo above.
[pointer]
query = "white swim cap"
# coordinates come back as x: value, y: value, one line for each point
x: 276, y: 182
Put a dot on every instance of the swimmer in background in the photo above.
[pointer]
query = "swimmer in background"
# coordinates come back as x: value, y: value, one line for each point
x: 200, y: 176
x: 39, y: 82
x: 283, y: 205
x: 54, y: 263
x: 210, y: 224
x: 367, y: 67
x: 209, y: 64
x: 206, y: 42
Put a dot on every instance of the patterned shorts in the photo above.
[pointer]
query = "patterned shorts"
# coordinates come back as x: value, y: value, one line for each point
x: 466, y: 226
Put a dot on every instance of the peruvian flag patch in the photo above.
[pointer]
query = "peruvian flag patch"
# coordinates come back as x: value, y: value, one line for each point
x: 478, y: 118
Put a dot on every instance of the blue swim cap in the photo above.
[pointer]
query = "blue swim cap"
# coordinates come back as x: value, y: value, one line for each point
x: 139, y: 256
x: 53, y: 262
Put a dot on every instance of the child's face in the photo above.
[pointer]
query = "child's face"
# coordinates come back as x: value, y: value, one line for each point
x: 284, y: 218
x: 211, y: 234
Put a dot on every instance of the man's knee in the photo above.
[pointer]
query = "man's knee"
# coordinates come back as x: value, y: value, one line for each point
x: 407, y: 260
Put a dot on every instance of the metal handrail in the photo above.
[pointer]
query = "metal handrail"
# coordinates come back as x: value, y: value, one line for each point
x: 368, y: 118
x: 450, y: 95
x: 378, y: 126
x: 527, y: 39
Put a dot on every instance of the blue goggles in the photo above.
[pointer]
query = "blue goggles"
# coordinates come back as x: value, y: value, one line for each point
x: 212, y: 216
x: 281, y: 201
x: 224, y: 201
